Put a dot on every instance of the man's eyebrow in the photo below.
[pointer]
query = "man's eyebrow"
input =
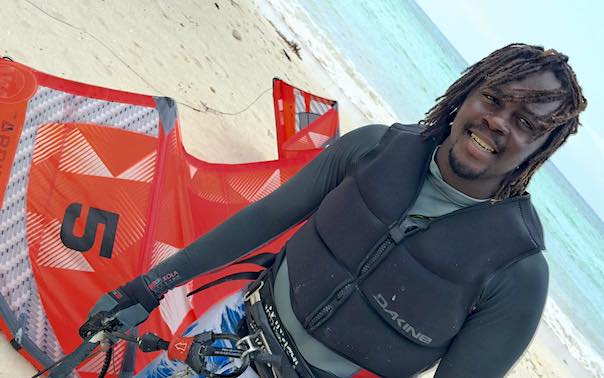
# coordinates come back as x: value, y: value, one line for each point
x: 495, y: 90
x: 525, y: 111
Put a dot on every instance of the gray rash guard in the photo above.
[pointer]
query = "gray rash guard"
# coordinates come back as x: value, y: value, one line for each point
x: 493, y: 336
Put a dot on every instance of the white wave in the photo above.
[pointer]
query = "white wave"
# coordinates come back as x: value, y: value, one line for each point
x: 577, y: 344
x: 295, y: 24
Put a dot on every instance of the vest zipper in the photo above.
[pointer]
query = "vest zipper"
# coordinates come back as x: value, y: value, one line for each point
x: 376, y: 256
x: 395, y: 235
x: 340, y: 295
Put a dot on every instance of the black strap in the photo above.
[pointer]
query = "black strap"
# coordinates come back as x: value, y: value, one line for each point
x: 232, y: 277
x: 264, y: 260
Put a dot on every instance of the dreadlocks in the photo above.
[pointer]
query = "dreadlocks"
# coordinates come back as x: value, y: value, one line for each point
x: 512, y: 63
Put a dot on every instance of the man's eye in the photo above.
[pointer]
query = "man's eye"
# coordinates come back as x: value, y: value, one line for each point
x: 524, y: 123
x: 489, y: 98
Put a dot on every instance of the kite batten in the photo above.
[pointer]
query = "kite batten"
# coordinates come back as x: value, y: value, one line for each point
x: 145, y: 257
x: 170, y: 228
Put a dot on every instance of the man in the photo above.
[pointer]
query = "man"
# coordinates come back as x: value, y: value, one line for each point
x: 420, y: 244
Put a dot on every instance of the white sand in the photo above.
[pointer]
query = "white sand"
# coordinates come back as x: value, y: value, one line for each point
x: 201, y: 56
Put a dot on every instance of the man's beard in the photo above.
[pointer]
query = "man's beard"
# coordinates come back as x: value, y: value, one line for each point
x: 462, y: 170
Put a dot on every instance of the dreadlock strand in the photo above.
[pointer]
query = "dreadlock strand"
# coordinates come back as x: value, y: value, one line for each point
x: 516, y: 182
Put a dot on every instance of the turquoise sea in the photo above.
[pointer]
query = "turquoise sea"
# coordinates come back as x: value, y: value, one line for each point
x: 393, y: 51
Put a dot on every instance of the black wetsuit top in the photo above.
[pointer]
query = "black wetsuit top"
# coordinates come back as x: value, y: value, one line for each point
x: 492, y: 338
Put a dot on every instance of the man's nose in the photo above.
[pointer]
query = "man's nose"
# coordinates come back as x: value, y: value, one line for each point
x: 498, y: 122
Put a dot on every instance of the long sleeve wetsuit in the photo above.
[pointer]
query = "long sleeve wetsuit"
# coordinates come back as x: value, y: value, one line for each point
x: 493, y: 336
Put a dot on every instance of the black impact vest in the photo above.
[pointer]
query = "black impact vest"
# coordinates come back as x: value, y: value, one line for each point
x: 370, y: 287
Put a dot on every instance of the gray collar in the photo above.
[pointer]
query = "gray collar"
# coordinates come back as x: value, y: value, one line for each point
x: 447, y: 191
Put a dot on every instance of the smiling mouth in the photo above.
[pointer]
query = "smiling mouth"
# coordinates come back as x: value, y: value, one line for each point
x: 481, y: 143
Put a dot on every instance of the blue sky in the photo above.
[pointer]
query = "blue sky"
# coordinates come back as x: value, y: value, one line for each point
x: 575, y: 28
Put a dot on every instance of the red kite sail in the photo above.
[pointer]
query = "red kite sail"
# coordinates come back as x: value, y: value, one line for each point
x: 97, y: 188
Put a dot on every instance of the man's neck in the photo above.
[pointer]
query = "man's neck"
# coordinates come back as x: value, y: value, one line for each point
x: 482, y: 188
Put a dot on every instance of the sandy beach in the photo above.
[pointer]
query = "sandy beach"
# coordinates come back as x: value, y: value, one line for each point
x: 217, y: 60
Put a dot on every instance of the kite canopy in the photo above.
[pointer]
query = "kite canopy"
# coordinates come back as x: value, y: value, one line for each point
x: 97, y: 188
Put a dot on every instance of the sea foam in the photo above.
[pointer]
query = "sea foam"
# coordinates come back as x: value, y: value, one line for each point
x: 577, y: 344
x: 294, y: 23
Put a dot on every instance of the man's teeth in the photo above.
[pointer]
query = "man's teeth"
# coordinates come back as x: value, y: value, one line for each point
x: 481, y: 143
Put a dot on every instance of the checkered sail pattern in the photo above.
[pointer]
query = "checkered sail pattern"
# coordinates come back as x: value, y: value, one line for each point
x: 97, y: 188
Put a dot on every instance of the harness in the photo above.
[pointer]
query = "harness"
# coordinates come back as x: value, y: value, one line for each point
x: 262, y: 320
x: 268, y: 345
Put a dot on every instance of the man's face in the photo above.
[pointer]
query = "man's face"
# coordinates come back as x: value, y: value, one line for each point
x: 491, y: 137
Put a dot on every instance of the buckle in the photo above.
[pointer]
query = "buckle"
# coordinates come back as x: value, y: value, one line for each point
x: 253, y: 296
x: 250, y: 344
x: 256, y: 343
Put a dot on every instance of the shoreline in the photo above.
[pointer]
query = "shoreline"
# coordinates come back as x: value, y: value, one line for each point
x: 104, y: 44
